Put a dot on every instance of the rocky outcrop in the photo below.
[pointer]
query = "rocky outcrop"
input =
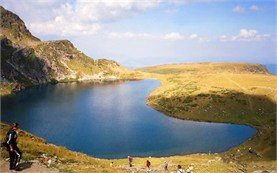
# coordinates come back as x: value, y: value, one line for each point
x: 25, y: 60
x: 13, y: 27
x: 21, y: 65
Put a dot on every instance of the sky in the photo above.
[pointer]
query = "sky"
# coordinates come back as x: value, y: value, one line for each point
x: 143, y: 33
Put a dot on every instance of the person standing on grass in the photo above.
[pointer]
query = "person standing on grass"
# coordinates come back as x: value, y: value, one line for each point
x: 130, y: 159
x: 180, y: 170
x: 166, y: 166
x: 14, y: 152
x: 148, y: 164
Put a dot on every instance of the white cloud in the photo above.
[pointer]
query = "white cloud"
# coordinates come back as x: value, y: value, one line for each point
x: 173, y: 36
x: 86, y: 17
x: 63, y: 25
x: 43, y: 3
x: 128, y: 34
x: 116, y: 35
x: 238, y: 9
x: 146, y: 35
x: 255, y: 8
x: 112, y: 35
x: 193, y: 36
x: 110, y: 10
x: 180, y: 2
x: 198, y: 38
x: 245, y: 35
x: 223, y: 38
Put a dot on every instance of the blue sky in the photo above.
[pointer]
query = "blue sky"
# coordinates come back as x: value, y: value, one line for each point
x: 141, y: 33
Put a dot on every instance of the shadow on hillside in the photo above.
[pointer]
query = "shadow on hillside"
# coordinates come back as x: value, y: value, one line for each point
x: 227, y: 106
x: 220, y: 106
x: 24, y: 165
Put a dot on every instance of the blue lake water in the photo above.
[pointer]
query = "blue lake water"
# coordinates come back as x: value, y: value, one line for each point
x: 113, y: 121
x: 272, y: 68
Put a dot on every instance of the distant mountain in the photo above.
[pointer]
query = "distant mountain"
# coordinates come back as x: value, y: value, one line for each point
x: 26, y: 60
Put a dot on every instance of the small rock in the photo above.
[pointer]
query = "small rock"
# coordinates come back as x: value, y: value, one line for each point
x: 49, y: 162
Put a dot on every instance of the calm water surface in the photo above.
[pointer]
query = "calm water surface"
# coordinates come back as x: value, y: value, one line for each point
x: 113, y: 121
x: 272, y: 68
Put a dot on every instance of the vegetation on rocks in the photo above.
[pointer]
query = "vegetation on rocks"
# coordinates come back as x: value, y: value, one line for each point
x: 27, y: 61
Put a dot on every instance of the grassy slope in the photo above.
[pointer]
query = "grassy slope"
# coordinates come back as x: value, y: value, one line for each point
x: 216, y: 92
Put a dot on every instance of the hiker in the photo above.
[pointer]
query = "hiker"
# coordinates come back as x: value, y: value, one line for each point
x: 148, y: 164
x: 14, y: 152
x: 130, y: 159
x: 166, y: 166
x: 251, y: 151
x: 180, y: 170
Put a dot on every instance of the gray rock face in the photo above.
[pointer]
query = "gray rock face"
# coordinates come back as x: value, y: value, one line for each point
x: 20, y: 64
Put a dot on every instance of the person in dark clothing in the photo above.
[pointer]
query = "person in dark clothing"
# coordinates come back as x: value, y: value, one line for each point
x: 14, y: 152
x: 130, y: 159
x: 148, y: 164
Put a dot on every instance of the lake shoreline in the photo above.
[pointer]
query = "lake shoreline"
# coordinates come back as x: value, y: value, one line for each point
x: 221, y: 154
x: 158, y: 120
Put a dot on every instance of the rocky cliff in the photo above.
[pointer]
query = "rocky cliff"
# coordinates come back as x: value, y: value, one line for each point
x: 26, y: 60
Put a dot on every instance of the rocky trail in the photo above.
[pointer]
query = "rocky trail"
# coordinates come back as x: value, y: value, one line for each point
x: 30, y: 167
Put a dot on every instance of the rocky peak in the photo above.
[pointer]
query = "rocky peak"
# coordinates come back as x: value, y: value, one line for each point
x: 13, y: 27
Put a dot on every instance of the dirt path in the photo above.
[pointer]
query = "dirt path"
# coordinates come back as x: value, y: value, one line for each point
x: 30, y: 167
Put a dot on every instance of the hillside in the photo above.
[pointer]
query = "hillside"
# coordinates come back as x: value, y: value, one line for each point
x: 195, y: 68
x: 25, y: 60
x: 220, y: 92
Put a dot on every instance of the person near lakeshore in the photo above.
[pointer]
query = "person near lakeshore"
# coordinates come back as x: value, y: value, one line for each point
x: 14, y: 152
x: 130, y: 159
x: 166, y: 166
x: 148, y: 164
x: 180, y: 170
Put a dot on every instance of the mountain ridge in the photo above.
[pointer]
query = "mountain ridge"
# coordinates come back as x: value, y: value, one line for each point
x: 27, y: 61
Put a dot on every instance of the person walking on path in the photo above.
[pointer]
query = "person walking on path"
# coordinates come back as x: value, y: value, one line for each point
x: 14, y: 152
x: 130, y: 159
